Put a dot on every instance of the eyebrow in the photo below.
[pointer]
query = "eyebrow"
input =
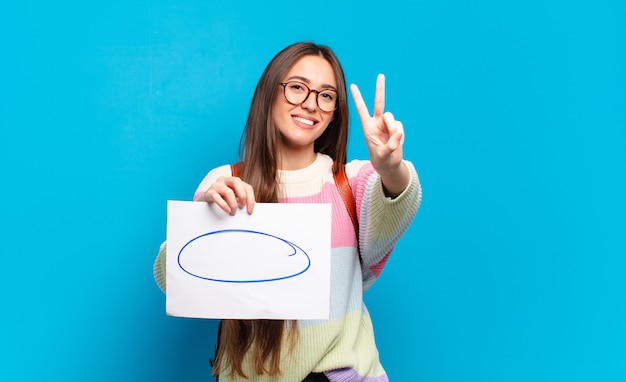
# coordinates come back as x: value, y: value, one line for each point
x: 308, y: 82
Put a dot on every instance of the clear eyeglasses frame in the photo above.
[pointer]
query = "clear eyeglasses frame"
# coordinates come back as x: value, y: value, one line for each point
x: 296, y: 93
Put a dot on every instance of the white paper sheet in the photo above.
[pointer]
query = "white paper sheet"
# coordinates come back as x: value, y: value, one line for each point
x: 273, y: 264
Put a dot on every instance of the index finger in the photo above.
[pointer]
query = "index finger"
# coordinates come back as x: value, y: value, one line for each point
x: 361, y: 108
x: 250, y: 199
x: 379, y: 98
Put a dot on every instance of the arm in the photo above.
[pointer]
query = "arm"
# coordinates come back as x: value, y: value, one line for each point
x: 158, y: 269
x: 382, y: 219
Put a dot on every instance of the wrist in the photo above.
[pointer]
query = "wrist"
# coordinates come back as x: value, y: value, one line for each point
x: 395, y: 181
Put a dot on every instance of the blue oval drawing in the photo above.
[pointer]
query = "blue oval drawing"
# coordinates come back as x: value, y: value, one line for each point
x: 263, y: 258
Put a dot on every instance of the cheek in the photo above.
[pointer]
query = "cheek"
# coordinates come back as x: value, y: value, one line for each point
x: 279, y: 108
x: 329, y: 119
x: 277, y: 115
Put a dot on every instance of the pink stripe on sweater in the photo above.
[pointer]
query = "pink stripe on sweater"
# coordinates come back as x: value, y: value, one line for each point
x: 377, y: 268
x: 342, y: 234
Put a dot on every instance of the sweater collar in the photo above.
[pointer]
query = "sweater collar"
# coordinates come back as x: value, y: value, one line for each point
x: 322, y: 164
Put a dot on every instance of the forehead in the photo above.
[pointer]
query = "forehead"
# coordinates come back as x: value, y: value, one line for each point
x: 315, y: 69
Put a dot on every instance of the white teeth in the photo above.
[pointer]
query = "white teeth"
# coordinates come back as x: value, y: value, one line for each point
x: 305, y: 121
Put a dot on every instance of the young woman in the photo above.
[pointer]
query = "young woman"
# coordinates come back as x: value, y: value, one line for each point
x: 294, y: 141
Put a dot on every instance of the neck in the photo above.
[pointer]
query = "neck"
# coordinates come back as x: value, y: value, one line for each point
x: 296, y: 159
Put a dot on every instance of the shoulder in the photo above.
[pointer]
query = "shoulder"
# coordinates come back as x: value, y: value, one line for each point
x: 363, y: 168
x: 358, y: 168
x: 211, y: 177
x: 221, y: 170
x: 213, y: 174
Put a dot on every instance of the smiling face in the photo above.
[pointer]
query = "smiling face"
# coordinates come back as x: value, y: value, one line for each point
x: 300, y: 125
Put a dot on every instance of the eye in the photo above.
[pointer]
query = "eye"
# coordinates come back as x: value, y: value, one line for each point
x: 327, y: 96
x: 297, y: 87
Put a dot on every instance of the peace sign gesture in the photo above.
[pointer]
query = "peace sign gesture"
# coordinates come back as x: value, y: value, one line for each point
x: 384, y: 137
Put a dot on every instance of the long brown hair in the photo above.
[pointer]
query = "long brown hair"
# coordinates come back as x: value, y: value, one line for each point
x: 258, y: 153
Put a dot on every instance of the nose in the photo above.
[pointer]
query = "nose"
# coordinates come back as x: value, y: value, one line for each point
x: 310, y: 102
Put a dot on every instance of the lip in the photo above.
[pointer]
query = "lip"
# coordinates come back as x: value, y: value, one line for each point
x: 297, y: 118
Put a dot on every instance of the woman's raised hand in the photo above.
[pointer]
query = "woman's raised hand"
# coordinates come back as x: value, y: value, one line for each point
x: 231, y: 193
x: 384, y: 136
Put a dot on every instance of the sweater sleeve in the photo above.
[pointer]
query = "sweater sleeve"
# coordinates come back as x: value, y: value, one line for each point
x: 158, y: 268
x: 382, y: 220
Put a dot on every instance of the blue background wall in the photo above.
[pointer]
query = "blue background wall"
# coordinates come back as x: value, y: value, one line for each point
x: 514, y: 112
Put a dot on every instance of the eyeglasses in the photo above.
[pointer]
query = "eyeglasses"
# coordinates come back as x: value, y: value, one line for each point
x: 297, y: 92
